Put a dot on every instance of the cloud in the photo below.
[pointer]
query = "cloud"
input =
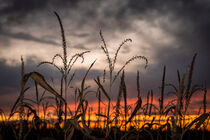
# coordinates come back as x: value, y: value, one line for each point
x: 166, y: 32
x: 10, y: 83
x: 9, y: 75
x: 80, y: 47
x: 27, y: 37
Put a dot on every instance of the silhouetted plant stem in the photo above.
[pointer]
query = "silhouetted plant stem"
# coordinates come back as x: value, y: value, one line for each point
x: 162, y: 91
x: 188, y: 94
x: 204, y: 99
x: 21, y: 100
x: 99, y: 106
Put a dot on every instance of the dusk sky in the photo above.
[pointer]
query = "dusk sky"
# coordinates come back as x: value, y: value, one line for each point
x: 167, y: 32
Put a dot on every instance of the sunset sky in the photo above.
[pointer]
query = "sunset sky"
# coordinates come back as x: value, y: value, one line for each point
x: 167, y: 32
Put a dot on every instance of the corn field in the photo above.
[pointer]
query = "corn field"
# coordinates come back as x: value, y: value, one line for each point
x: 110, y: 119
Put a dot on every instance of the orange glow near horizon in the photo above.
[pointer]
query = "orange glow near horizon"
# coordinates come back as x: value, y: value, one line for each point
x: 137, y: 122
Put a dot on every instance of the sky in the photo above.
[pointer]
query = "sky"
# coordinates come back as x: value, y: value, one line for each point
x: 166, y: 32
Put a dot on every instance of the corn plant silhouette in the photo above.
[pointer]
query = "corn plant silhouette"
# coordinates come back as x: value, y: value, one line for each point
x: 67, y: 65
x: 112, y: 62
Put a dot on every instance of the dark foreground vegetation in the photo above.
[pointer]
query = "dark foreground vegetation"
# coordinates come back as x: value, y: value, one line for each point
x: 75, y: 123
x: 132, y: 134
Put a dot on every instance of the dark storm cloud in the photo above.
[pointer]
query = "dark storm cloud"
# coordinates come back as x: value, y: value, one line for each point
x: 195, y: 27
x: 28, y: 37
x: 9, y: 75
x: 15, y: 10
x: 191, y: 36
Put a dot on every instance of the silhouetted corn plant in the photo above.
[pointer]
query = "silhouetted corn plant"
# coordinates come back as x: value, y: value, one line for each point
x: 188, y: 94
x: 20, y: 104
x: 112, y: 63
x: 204, y: 99
x: 67, y: 65
x: 161, y: 100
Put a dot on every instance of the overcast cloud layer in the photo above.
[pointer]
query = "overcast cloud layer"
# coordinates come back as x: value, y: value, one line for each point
x: 166, y: 32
